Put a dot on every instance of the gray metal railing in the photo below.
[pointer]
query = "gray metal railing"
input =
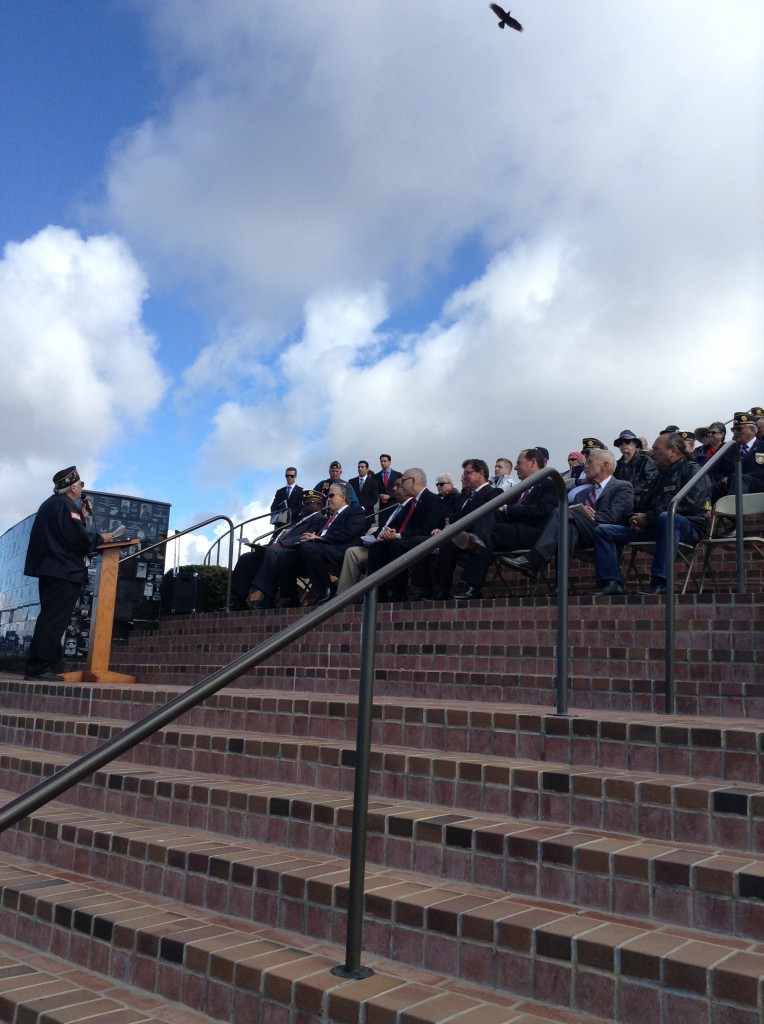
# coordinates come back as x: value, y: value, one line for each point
x: 704, y: 471
x: 230, y: 534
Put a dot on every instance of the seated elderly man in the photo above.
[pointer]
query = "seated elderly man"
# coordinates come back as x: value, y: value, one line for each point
x: 421, y: 514
x: 751, y: 448
x: 605, y: 500
x: 272, y: 570
x: 650, y: 520
x: 356, y: 560
x: 321, y: 552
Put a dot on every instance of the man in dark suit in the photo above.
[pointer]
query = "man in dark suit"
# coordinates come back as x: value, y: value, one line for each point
x: 422, y: 513
x: 476, y: 546
x: 270, y: 568
x: 321, y: 552
x: 385, y: 480
x: 513, y: 526
x: 605, y: 500
x: 287, y: 499
x: 366, y: 487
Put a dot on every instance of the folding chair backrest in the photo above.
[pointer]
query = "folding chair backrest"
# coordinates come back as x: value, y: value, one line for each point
x: 753, y: 505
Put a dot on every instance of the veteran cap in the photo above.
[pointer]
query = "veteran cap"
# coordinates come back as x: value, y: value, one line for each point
x: 65, y: 477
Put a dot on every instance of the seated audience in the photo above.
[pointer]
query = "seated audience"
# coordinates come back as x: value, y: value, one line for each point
x: 356, y: 559
x: 321, y: 552
x: 633, y: 466
x: 502, y: 474
x: 711, y: 440
x: 271, y: 572
x: 422, y: 513
x: 604, y: 500
x: 649, y: 521
x: 751, y: 449
x: 477, y: 546
x: 447, y: 492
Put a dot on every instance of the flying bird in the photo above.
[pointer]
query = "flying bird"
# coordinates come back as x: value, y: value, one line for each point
x: 505, y: 19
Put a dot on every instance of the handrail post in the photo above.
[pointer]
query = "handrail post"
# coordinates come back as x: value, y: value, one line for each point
x: 352, y: 967
x: 739, y: 547
x: 563, y: 571
x: 669, y: 688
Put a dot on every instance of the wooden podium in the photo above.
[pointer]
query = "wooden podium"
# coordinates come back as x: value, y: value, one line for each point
x: 97, y: 670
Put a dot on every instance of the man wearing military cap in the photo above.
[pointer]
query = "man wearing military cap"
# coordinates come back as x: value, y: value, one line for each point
x: 751, y: 447
x: 58, y: 545
x: 250, y: 565
x: 758, y: 413
x: 590, y: 443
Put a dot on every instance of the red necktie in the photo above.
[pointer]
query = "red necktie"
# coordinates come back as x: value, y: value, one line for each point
x: 386, y: 477
x: 328, y: 523
x: 407, y: 517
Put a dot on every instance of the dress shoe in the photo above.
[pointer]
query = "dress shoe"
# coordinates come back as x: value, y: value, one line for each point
x: 326, y: 595
x: 468, y: 594
x: 656, y: 587
x: 613, y: 588
x: 521, y: 564
x: 465, y: 541
x: 46, y: 677
x: 264, y: 603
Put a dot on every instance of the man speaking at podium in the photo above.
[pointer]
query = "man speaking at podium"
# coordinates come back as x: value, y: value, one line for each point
x: 58, y: 544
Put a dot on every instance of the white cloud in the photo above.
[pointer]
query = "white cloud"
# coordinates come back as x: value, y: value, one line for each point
x: 80, y: 371
x: 315, y: 167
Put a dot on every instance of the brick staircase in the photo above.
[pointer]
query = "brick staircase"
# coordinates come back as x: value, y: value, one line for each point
x: 522, y: 867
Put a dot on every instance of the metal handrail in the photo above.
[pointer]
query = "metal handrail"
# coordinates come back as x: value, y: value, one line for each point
x: 207, y: 560
x: 669, y: 688
x: 181, y: 533
x: 90, y: 762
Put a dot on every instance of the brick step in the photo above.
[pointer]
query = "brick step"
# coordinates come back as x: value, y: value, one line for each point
x: 489, y: 651
x: 527, y: 948
x: 651, y: 805
x: 713, y: 748
x: 241, y: 972
x: 628, y: 870
x: 40, y: 989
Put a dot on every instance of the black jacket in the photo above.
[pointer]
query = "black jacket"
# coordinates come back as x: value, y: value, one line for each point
x: 639, y: 473
x: 59, y: 541
x: 667, y: 483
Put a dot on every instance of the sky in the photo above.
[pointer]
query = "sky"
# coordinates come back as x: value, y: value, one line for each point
x: 240, y: 235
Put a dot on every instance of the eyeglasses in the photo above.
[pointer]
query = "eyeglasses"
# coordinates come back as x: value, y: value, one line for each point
x: 290, y: 476
x: 441, y: 483
x: 572, y: 460
x: 405, y: 478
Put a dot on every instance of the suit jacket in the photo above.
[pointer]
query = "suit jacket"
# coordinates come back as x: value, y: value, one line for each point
x: 368, y: 495
x: 428, y: 515
x: 615, y: 503
x: 468, y: 502
x: 294, y: 504
x: 347, y: 528
x: 752, y: 463
x: 539, y: 503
